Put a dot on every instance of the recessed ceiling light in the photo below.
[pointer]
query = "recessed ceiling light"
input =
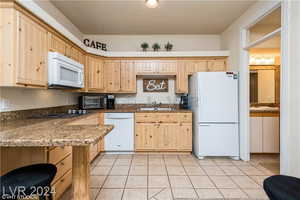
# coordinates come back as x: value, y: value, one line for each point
x: 151, y: 3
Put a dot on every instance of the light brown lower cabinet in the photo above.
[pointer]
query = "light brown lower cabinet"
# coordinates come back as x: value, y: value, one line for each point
x: 163, y: 132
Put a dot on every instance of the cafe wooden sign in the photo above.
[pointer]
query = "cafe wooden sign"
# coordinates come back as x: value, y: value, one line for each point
x: 155, y: 85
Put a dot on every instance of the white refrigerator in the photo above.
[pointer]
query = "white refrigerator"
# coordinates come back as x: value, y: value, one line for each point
x: 213, y: 97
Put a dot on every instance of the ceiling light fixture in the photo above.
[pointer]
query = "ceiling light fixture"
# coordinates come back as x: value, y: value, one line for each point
x: 152, y: 3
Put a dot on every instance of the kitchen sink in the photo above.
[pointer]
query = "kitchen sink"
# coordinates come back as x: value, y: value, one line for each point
x: 155, y: 109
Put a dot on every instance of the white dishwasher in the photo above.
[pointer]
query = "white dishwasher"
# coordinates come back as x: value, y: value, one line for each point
x: 121, y: 138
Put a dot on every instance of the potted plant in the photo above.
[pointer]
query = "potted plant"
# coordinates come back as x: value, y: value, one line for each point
x: 156, y: 46
x: 169, y: 46
x: 145, y: 46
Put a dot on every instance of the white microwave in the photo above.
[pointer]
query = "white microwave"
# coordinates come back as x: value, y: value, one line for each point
x: 64, y: 72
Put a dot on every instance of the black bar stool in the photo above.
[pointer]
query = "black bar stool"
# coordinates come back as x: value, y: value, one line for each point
x: 280, y: 187
x: 29, y: 180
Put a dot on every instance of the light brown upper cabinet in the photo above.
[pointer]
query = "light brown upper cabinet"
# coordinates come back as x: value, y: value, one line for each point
x: 182, y: 77
x: 112, y: 72
x: 193, y: 66
x: 144, y: 67
x: 128, y: 77
x: 166, y: 67
x: 56, y: 44
x: 161, y: 67
x: 216, y: 65
x: 120, y: 76
x: 77, y: 55
x: 31, y: 53
x: 95, y: 77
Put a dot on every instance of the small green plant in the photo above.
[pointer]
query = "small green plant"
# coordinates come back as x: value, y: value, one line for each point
x: 156, y: 46
x: 145, y: 46
x: 169, y: 46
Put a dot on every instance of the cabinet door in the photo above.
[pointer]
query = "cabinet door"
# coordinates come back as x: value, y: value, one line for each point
x: 68, y: 52
x: 270, y: 134
x: 146, y: 67
x: 144, y: 136
x: 112, y: 76
x: 128, y: 77
x: 181, y: 78
x: 32, y: 53
x: 96, y: 74
x: 165, y: 138
x: 56, y: 44
x: 184, y: 137
x: 256, y: 134
x: 167, y: 67
x: 193, y: 66
x: 200, y: 66
x: 75, y: 54
x: 216, y: 65
x: 81, y: 58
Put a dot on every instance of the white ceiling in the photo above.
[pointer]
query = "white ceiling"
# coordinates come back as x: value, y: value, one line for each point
x: 171, y: 17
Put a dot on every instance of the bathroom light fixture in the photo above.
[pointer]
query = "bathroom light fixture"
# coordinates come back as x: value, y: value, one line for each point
x: 152, y: 3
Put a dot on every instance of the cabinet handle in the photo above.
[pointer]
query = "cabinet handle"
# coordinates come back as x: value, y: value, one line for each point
x: 98, y: 71
x: 62, y: 163
x: 136, y: 135
x: 30, y: 49
x: 38, y: 69
x: 20, y: 29
x: 150, y: 136
x: 62, y: 180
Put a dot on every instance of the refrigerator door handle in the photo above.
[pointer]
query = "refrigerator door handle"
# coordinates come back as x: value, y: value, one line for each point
x: 204, y: 125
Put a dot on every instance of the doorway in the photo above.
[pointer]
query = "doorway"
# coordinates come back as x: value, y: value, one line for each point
x: 263, y: 53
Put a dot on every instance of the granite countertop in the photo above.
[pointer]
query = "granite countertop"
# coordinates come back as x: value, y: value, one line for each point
x: 264, y: 109
x: 136, y: 109
x: 51, y: 132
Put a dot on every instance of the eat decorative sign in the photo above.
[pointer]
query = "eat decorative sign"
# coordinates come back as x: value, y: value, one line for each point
x: 94, y: 44
x: 155, y: 85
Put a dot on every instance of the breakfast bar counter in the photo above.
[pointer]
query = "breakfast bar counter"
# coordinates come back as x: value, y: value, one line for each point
x: 59, y: 132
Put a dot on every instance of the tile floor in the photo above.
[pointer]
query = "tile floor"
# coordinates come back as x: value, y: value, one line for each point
x: 166, y: 177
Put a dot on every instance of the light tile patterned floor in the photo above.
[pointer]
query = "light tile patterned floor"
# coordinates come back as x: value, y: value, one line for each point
x: 164, y: 177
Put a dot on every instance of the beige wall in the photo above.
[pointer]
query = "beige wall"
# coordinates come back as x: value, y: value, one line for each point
x: 290, y: 107
x: 22, y: 99
x: 230, y: 38
x: 180, y: 42
x: 48, y: 7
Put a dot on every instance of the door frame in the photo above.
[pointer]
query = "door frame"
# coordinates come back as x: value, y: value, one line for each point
x: 245, y: 86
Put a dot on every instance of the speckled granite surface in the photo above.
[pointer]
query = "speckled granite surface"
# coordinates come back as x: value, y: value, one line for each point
x: 51, y: 132
x: 136, y: 108
x: 23, y: 114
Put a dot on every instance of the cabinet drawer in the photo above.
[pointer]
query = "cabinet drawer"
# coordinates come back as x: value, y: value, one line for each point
x: 62, y: 167
x: 185, y: 117
x: 62, y: 184
x: 145, y: 117
x: 163, y: 117
x: 58, y: 153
